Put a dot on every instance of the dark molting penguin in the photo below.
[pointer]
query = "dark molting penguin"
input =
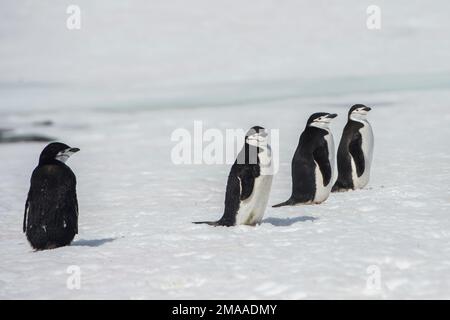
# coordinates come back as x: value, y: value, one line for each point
x: 313, y: 162
x: 51, y: 210
x: 354, y: 156
x: 249, y: 182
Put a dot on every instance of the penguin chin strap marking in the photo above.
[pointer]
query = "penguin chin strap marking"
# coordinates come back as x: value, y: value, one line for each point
x: 62, y: 158
x: 257, y: 141
x: 358, y: 116
x: 64, y: 155
x: 321, y: 124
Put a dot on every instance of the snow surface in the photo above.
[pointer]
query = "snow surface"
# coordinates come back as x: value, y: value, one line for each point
x: 119, y: 93
x: 136, y: 239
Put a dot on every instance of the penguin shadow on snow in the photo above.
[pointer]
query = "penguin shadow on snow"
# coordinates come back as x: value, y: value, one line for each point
x: 286, y: 222
x: 92, y: 243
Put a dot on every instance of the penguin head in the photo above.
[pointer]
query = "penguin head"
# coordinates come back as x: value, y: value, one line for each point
x: 56, y: 151
x: 321, y: 120
x: 358, y: 112
x: 256, y: 136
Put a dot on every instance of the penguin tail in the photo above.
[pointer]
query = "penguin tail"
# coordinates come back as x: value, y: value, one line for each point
x: 211, y: 223
x: 289, y: 202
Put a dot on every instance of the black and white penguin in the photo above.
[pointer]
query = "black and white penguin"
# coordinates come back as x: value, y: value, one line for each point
x: 313, y: 162
x: 354, y: 156
x: 51, y: 210
x: 249, y: 182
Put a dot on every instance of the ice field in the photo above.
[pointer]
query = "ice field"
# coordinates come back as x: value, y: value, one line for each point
x: 136, y: 71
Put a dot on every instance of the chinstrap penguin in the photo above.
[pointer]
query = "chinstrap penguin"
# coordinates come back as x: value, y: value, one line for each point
x: 51, y: 210
x: 313, y: 162
x: 249, y: 182
x: 354, y: 156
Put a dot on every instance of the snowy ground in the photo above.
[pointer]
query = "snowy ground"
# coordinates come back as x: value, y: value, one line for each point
x: 136, y: 239
x: 138, y: 70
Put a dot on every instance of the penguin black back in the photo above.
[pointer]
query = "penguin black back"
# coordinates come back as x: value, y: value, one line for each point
x: 354, y: 154
x: 304, y: 157
x: 51, y: 209
x: 248, y: 186
x: 349, y: 145
x: 313, y: 150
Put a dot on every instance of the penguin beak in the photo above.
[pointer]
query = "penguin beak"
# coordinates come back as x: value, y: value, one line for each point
x: 367, y: 109
x: 73, y: 150
x: 332, y: 115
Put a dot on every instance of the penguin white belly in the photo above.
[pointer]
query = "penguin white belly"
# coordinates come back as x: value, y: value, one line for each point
x: 322, y: 192
x: 367, y: 149
x: 251, y: 210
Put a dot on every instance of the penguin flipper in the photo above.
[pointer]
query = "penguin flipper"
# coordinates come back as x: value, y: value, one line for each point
x: 68, y: 197
x: 355, y: 149
x: 27, y: 206
x: 321, y: 157
x: 27, y: 209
